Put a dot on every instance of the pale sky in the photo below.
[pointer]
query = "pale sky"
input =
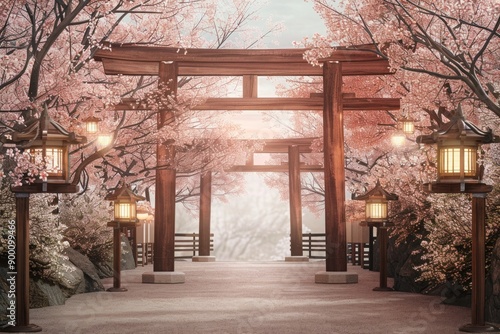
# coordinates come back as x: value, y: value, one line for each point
x: 298, y: 17
x: 299, y: 20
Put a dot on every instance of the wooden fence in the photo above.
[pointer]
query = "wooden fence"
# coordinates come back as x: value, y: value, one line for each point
x: 186, y: 246
x: 314, y: 247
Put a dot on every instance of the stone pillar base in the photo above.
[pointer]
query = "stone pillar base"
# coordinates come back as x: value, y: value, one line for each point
x: 335, y: 277
x: 163, y: 277
x: 478, y: 329
x: 296, y: 258
x: 201, y: 258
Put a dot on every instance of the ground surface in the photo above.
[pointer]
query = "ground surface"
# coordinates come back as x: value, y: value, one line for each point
x: 248, y: 298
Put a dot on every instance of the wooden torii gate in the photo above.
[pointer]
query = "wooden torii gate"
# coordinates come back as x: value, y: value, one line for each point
x: 170, y: 63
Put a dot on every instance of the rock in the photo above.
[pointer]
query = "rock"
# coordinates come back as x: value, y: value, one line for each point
x: 4, y: 288
x: 70, y: 278
x: 44, y: 294
x: 402, y: 263
x: 91, y: 281
x: 127, y: 260
x: 104, y: 269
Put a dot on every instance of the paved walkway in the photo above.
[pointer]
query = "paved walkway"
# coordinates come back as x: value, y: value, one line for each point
x: 250, y: 298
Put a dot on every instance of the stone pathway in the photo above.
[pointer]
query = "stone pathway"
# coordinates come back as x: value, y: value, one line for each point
x: 248, y: 298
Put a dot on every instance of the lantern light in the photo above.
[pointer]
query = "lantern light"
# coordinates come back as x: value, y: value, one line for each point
x: 398, y: 139
x: 104, y: 140
x: 376, y: 216
x: 407, y: 125
x: 143, y: 211
x: 458, y: 143
x: 125, y: 216
x: 92, y: 124
x: 47, y: 142
x: 124, y: 205
x: 376, y: 203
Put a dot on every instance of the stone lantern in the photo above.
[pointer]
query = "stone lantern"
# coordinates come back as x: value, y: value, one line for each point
x: 458, y: 143
x: 125, y: 216
x: 376, y: 201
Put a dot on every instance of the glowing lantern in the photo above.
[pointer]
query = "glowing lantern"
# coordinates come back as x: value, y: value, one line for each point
x: 125, y: 216
x: 457, y: 150
x: 47, y: 142
x: 92, y: 124
x: 407, y: 125
x: 376, y: 216
x: 142, y: 213
x: 376, y: 203
x: 125, y: 205
x: 104, y: 140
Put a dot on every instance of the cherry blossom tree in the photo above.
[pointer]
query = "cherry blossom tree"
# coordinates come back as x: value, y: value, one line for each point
x: 443, y: 54
x: 46, y: 57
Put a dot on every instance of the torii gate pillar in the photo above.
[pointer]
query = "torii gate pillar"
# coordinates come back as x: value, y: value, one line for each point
x: 295, y: 206
x: 164, y: 231
x: 205, y: 213
x: 333, y: 141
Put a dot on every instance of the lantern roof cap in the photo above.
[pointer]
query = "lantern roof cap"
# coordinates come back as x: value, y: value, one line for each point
x: 92, y: 119
x: 43, y: 129
x: 145, y: 207
x: 377, y: 191
x: 124, y: 191
x: 458, y: 127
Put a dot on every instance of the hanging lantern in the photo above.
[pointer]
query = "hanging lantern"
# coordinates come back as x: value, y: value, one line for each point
x: 407, y: 125
x: 143, y: 211
x: 458, y: 144
x: 47, y: 142
x: 92, y: 124
x: 376, y: 201
x: 124, y: 205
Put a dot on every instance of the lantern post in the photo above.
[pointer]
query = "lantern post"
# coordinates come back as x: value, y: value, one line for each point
x: 142, y: 234
x: 47, y: 143
x: 125, y: 216
x: 458, y: 171
x: 376, y: 208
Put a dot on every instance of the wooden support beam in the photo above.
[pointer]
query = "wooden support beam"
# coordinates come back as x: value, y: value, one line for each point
x: 205, y: 211
x: 277, y: 103
x: 250, y: 86
x: 164, y: 230
x: 258, y: 56
x: 22, y: 262
x: 295, y: 200
x: 273, y: 168
x: 333, y: 131
x: 281, y: 145
x: 140, y: 67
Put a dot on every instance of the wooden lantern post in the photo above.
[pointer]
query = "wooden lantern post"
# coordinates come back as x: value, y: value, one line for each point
x: 47, y: 142
x: 143, y: 213
x: 376, y: 202
x: 125, y: 215
x: 458, y: 142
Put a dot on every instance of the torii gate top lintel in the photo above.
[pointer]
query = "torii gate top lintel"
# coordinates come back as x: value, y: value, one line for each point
x: 132, y: 59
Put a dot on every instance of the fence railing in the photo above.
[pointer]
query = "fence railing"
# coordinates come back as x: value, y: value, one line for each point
x: 314, y: 246
x: 186, y: 246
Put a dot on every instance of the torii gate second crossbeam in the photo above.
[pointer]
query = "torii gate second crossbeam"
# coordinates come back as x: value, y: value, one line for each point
x: 168, y: 64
